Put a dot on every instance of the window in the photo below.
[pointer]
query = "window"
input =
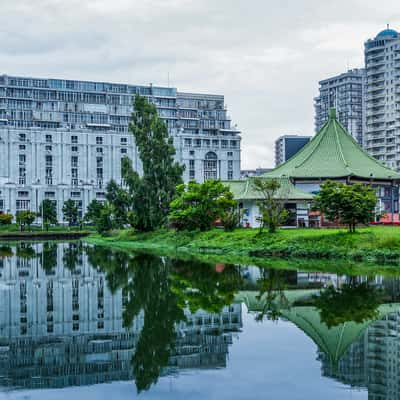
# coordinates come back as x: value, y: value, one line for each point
x: 124, y: 141
x: 124, y: 151
x: 22, y: 175
x: 22, y: 205
x: 74, y: 149
x: 99, y: 140
x: 233, y: 144
x: 210, y: 166
x: 99, y: 150
x: 22, y: 147
x: 22, y: 137
x: 215, y: 143
x: 188, y: 142
x: 192, y: 172
x: 49, y: 138
x: 49, y: 161
x: 23, y: 194
x: 191, y: 152
x: 49, y: 195
x: 74, y: 161
x: 74, y: 139
x: 197, y: 143
x: 224, y: 144
x: 229, y: 154
x: 22, y: 159
x: 75, y: 194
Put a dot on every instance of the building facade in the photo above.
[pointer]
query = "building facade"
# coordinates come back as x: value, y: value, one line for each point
x: 64, y: 139
x: 382, y: 62
x: 345, y: 92
x: 287, y: 146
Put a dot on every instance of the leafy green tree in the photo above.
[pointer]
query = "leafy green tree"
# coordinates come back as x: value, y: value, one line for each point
x: 347, y: 204
x: 357, y: 302
x: 93, y: 212
x: 106, y: 222
x: 24, y: 219
x: 156, y: 188
x: 70, y: 212
x: 5, y: 218
x: 199, y: 205
x: 121, y: 202
x: 48, y: 212
x: 271, y: 206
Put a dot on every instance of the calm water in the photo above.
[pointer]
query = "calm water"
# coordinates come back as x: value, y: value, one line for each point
x: 87, y: 323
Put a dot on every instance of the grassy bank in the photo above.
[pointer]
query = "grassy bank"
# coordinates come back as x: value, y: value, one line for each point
x: 54, y: 233
x: 375, y: 245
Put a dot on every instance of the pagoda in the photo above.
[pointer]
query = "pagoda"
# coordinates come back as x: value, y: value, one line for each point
x: 332, y: 154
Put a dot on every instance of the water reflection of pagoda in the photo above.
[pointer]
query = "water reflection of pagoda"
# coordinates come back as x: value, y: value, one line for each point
x: 365, y: 355
x: 372, y: 361
x: 60, y: 325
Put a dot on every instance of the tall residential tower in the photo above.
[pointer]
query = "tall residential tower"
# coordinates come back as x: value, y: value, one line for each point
x: 345, y: 92
x: 382, y: 63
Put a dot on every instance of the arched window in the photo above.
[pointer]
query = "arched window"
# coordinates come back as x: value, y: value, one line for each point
x: 210, y: 166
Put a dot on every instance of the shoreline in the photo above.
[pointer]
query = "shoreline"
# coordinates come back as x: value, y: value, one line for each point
x: 42, y: 235
x: 308, y: 249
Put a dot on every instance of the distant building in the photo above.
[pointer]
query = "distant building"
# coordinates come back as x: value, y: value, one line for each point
x: 287, y: 146
x: 382, y: 63
x: 345, y: 92
x: 246, y: 173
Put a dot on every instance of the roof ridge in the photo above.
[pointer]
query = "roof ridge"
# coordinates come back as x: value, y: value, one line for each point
x: 340, y: 147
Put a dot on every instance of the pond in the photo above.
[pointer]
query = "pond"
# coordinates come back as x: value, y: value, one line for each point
x: 85, y: 322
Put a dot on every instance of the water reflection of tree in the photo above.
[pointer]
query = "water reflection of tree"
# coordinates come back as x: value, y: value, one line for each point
x: 25, y: 250
x: 6, y: 251
x: 272, y: 285
x: 160, y: 289
x: 49, y: 256
x: 71, y: 255
x: 357, y: 302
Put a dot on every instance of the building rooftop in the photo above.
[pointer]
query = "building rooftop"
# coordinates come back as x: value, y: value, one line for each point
x: 333, y: 153
x: 245, y: 190
x: 391, y: 33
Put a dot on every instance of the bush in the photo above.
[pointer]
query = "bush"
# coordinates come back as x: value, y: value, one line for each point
x: 6, y: 219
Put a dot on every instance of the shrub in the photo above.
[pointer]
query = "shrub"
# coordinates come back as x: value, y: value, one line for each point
x: 6, y: 219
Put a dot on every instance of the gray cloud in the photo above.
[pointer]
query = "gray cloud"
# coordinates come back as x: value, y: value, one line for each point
x: 266, y: 57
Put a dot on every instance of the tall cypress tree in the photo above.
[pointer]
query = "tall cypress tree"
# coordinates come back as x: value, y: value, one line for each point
x: 155, y: 189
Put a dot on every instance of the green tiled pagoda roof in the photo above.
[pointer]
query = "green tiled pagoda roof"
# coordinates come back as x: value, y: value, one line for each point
x: 245, y: 190
x: 333, y: 153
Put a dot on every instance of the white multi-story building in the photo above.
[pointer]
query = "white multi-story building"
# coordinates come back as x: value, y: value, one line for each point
x: 63, y: 139
x: 382, y: 63
x: 345, y: 92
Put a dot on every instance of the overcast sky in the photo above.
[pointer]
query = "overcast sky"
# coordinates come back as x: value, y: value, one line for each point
x: 265, y: 56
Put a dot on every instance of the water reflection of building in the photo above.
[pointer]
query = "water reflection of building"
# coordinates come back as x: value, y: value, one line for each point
x: 373, y: 361
x: 62, y: 326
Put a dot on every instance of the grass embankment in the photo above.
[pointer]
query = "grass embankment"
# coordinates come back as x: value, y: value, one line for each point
x: 376, y: 245
x: 12, y: 232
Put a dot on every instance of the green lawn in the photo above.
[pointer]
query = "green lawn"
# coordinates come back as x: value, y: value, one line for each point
x: 374, y: 244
